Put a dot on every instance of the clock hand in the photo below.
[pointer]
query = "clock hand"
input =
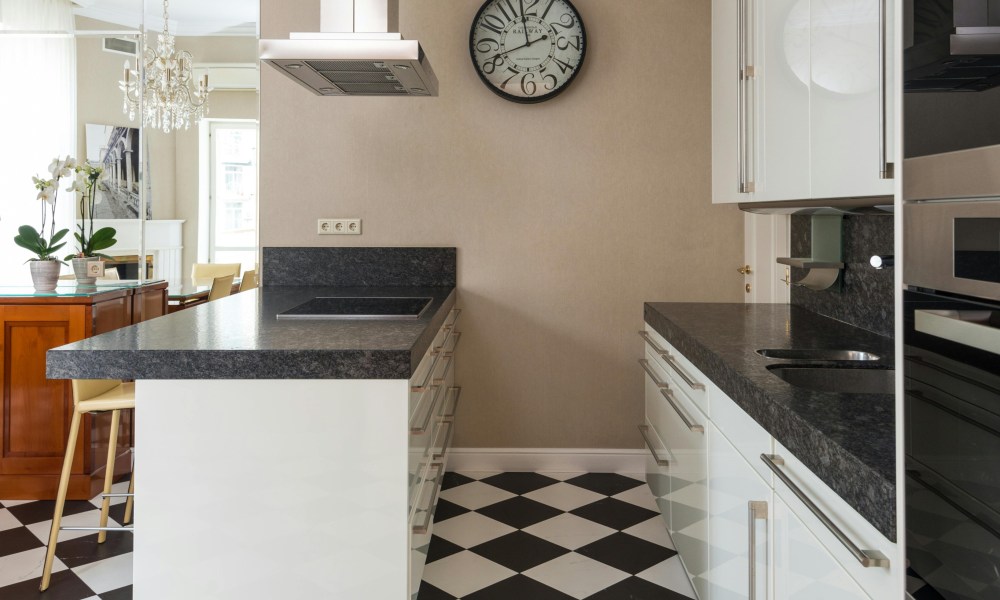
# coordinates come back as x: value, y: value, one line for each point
x: 524, y: 24
x: 530, y: 42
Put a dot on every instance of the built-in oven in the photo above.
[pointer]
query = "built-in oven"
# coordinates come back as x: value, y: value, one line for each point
x: 951, y: 314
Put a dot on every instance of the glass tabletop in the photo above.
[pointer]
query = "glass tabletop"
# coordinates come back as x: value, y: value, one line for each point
x: 70, y: 289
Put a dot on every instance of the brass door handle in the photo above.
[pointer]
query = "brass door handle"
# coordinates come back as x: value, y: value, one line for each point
x: 745, y: 270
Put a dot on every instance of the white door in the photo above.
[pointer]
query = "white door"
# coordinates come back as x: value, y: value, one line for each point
x: 765, y: 238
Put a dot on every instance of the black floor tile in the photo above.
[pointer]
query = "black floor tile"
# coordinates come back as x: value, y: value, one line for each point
x: 85, y: 550
x: 519, y: 483
x: 64, y: 585
x: 452, y: 479
x: 429, y: 592
x: 124, y: 593
x: 17, y: 540
x: 446, y: 510
x: 927, y: 593
x: 614, y: 513
x: 608, y: 484
x: 520, y: 587
x: 634, y: 588
x: 626, y: 553
x: 441, y: 548
x: 41, y: 510
x: 519, y: 512
x: 519, y: 551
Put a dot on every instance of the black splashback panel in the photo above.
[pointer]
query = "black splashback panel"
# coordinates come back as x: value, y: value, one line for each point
x: 351, y: 267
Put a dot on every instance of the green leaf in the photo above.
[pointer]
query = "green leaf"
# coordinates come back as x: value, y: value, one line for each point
x: 58, y: 236
x: 20, y: 241
x: 28, y: 234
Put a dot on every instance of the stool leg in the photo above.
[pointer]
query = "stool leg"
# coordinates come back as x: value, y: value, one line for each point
x: 74, y: 431
x: 131, y: 499
x: 109, y: 473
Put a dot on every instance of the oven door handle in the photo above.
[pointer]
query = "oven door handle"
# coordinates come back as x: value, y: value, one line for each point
x: 963, y: 326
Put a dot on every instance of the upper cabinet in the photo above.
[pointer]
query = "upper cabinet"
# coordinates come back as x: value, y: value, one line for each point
x: 800, y: 104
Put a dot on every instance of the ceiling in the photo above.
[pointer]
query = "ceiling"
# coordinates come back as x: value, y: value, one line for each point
x: 187, y: 17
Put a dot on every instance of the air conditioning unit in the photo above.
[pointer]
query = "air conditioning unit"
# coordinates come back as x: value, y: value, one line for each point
x: 117, y: 45
x: 229, y: 76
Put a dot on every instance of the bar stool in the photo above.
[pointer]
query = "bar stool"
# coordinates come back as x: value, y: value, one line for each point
x: 92, y: 395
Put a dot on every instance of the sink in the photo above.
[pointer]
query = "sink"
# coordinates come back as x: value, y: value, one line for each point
x: 360, y: 307
x: 816, y: 354
x: 843, y: 380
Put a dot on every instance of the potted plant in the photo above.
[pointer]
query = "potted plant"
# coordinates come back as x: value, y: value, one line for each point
x: 45, y: 267
x: 89, y: 243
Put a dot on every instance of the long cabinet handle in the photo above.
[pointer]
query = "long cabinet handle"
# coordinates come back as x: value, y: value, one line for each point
x: 450, y: 423
x: 652, y: 374
x: 757, y: 510
x: 886, y: 168
x: 672, y: 401
x: 644, y: 432
x: 429, y: 514
x: 669, y: 359
x: 867, y: 558
x: 452, y: 398
x: 422, y: 386
x: 434, y: 392
x: 745, y: 74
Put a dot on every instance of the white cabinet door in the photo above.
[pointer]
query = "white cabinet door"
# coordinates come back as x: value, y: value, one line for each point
x: 803, y: 569
x: 738, y: 506
x: 846, y: 100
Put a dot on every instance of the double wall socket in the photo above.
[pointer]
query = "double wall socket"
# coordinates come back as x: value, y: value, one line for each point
x: 339, y: 227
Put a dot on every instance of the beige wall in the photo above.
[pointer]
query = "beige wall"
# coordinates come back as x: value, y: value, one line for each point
x: 567, y: 215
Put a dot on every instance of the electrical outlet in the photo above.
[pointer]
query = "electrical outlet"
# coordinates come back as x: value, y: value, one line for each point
x: 339, y: 227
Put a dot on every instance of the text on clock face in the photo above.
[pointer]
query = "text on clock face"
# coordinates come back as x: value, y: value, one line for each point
x: 527, y: 47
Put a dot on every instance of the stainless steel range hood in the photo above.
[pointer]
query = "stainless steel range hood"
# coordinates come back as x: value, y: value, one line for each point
x: 357, y: 52
x: 951, y: 45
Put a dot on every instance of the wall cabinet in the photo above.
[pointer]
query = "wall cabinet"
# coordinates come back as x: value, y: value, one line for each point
x: 744, y: 527
x: 801, y: 105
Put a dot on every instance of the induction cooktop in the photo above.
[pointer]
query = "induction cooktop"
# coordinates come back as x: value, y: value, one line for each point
x: 363, y: 307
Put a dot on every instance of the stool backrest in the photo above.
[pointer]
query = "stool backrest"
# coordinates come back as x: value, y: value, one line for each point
x: 221, y: 287
x: 85, y: 389
x: 204, y: 273
x: 249, y: 280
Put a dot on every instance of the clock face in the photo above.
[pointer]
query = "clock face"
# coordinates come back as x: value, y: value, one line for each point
x: 527, y: 50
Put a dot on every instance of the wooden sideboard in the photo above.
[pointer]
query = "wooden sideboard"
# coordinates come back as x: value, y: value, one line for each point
x: 36, y: 412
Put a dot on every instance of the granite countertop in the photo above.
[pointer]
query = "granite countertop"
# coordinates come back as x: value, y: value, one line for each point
x: 239, y: 337
x: 847, y: 440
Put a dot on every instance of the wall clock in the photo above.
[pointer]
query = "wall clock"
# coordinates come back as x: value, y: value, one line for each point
x: 527, y: 50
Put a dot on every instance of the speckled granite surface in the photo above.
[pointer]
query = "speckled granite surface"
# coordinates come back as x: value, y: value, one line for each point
x: 239, y: 338
x: 865, y: 299
x: 359, y: 266
x: 848, y: 440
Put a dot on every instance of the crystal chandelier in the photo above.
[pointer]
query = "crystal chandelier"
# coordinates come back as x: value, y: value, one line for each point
x: 167, y: 100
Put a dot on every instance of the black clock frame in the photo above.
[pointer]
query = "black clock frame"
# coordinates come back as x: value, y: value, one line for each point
x: 523, y: 99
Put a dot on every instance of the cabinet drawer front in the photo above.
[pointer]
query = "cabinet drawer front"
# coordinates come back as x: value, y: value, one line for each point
x: 746, y: 435
x: 683, y: 375
x: 877, y: 582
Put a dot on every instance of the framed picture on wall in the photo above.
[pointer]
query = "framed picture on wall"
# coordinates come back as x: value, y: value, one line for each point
x: 117, y: 150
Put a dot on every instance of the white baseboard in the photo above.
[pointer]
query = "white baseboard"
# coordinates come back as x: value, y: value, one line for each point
x: 552, y: 460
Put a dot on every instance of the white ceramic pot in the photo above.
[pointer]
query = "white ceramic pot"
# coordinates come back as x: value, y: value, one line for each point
x: 80, y: 270
x: 44, y: 274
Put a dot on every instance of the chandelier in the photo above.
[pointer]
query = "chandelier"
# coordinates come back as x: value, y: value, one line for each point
x: 164, y: 89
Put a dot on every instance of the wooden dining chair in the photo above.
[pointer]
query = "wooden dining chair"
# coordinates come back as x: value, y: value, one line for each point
x: 91, y: 395
x: 249, y: 280
x: 221, y: 287
x: 204, y: 273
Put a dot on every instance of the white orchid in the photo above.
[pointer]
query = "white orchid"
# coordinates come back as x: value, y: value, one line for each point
x: 47, y: 194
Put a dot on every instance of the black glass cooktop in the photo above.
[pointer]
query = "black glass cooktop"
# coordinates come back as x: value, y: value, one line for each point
x: 338, y: 307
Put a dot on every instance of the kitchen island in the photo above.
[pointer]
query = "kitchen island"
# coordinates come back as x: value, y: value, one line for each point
x: 288, y: 458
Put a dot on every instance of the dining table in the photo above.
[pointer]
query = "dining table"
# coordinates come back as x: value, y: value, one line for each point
x: 189, y: 292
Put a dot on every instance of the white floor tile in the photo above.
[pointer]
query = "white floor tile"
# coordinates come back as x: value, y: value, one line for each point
x: 25, y: 565
x: 564, y: 496
x: 640, y: 496
x: 564, y: 476
x: 639, y: 476
x: 465, y: 572
x: 477, y: 475
x: 653, y: 530
x: 475, y: 495
x: 569, y: 531
x: 576, y: 575
x: 7, y: 520
x: 91, y: 518
x: 471, y: 529
x: 108, y: 574
x: 669, y: 574
x: 116, y: 488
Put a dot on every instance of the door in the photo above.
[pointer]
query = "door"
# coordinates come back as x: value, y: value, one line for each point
x: 765, y: 238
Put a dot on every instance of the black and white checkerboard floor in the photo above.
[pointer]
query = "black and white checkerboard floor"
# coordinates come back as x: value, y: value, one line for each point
x: 537, y: 536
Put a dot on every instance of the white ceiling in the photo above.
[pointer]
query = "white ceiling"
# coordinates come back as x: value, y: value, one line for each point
x: 187, y: 17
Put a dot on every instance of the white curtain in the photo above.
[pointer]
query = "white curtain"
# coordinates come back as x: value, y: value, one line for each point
x: 38, y: 119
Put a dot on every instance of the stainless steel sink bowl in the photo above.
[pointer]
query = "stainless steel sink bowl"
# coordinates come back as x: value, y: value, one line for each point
x: 842, y: 380
x: 816, y: 354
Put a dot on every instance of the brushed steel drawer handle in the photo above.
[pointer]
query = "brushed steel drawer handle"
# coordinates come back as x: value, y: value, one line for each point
x: 669, y: 358
x: 429, y: 514
x: 449, y: 324
x: 420, y: 387
x: 758, y: 512
x: 867, y: 558
x: 457, y: 336
x: 434, y: 392
x: 450, y: 423
x: 652, y: 375
x: 644, y: 432
x: 454, y: 393
x: 672, y: 401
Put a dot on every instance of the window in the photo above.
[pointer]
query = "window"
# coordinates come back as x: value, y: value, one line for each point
x: 233, y: 193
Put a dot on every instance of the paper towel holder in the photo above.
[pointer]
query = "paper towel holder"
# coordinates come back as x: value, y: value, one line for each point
x: 826, y: 261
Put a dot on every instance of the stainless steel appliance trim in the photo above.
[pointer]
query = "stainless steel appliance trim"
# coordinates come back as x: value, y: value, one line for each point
x: 867, y: 558
x: 672, y: 400
x: 644, y: 432
x: 429, y: 514
x: 757, y: 511
x: 949, y: 325
x: 649, y: 371
x: 669, y: 359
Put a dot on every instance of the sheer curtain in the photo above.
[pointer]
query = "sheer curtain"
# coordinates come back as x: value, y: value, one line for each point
x: 38, y: 118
